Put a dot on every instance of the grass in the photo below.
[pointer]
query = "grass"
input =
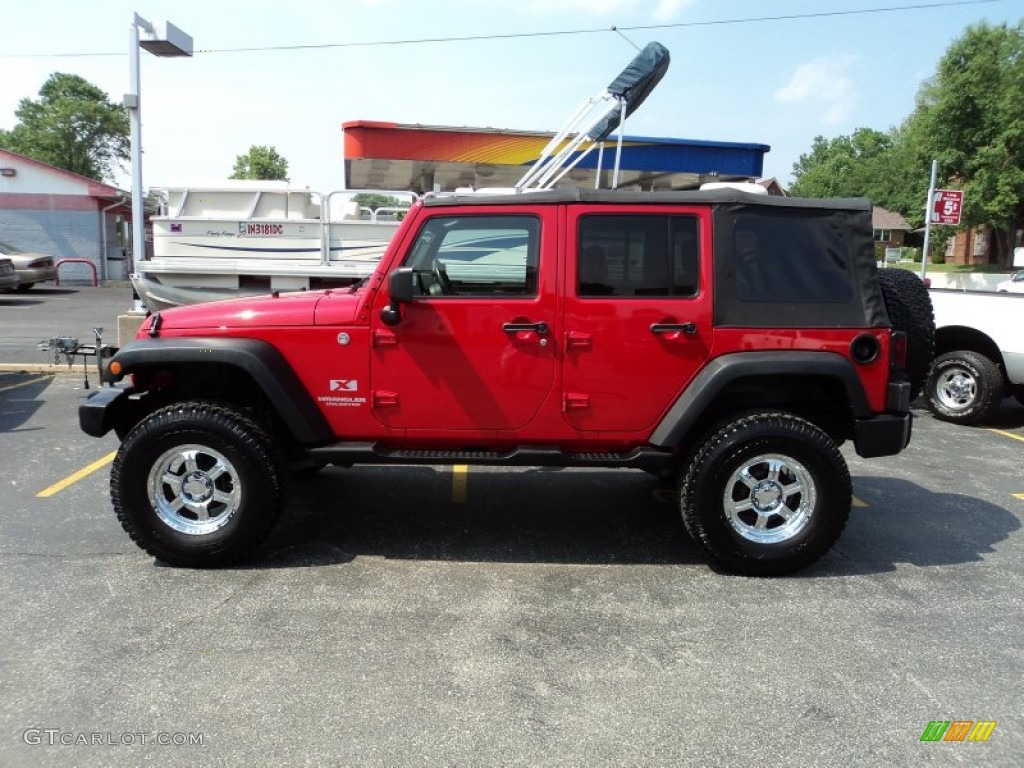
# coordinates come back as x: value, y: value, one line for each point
x: 956, y: 268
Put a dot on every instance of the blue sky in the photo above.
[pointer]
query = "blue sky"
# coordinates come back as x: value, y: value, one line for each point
x: 776, y: 82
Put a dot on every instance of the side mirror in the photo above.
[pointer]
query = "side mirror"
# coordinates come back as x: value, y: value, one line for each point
x: 400, y: 290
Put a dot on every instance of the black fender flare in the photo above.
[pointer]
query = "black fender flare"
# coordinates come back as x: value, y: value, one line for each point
x: 262, y: 361
x: 722, y: 371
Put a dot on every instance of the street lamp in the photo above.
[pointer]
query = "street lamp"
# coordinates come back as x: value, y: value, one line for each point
x: 160, y: 39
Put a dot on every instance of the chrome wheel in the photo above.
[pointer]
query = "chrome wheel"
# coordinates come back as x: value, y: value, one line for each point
x: 767, y: 493
x: 956, y: 388
x: 770, y: 498
x: 194, y: 489
x: 197, y: 484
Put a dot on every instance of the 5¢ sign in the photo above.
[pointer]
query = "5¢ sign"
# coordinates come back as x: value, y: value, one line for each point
x: 946, y: 205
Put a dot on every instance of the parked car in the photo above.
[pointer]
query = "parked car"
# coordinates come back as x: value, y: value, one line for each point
x: 979, y: 354
x: 1014, y: 285
x: 31, y: 267
x: 8, y: 277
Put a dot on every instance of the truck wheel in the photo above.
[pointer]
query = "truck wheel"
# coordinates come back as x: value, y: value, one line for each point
x: 767, y: 494
x: 196, y: 485
x: 910, y: 310
x: 964, y: 387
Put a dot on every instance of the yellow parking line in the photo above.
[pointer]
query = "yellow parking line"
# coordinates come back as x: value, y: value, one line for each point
x: 1004, y: 433
x: 23, y: 383
x: 857, y: 502
x: 71, y: 479
x: 1019, y: 496
x: 459, y: 473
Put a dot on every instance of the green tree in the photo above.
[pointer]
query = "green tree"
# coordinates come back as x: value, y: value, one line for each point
x: 260, y: 163
x: 840, y: 167
x: 970, y: 117
x: 373, y: 201
x: 899, y: 176
x: 889, y: 168
x: 72, y: 126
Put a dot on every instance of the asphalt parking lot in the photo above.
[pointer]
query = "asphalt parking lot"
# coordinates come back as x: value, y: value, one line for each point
x: 421, y: 616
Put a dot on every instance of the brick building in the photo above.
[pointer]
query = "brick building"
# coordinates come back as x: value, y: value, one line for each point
x: 53, y: 211
x: 890, y: 228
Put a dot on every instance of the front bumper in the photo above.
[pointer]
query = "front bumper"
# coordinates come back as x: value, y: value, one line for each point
x: 104, y: 410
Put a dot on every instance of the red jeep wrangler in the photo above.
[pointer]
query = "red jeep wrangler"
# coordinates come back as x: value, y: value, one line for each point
x: 729, y: 340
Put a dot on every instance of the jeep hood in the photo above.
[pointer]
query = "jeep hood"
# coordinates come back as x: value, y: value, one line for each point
x: 286, y: 310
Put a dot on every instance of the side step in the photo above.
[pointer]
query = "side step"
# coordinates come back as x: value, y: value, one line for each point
x: 349, y: 453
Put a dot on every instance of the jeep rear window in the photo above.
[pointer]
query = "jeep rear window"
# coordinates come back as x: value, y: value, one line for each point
x: 477, y: 256
x: 638, y: 255
x: 790, y: 260
x: 794, y: 266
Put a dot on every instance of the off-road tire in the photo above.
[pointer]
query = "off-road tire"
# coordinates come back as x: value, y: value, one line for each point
x: 910, y: 310
x: 795, y: 484
x: 964, y: 387
x: 197, y: 484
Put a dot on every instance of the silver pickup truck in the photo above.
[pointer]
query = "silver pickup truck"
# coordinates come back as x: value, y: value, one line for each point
x: 979, y: 353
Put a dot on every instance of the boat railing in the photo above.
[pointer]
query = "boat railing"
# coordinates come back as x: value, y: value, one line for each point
x: 365, y: 214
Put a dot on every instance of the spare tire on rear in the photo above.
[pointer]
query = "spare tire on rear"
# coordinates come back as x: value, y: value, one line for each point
x: 910, y: 310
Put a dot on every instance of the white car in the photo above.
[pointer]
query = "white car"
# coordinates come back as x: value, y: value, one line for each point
x: 1014, y: 285
x: 8, y: 277
x: 31, y: 267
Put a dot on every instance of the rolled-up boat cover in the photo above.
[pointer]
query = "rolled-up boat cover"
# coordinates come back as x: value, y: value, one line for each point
x: 633, y: 85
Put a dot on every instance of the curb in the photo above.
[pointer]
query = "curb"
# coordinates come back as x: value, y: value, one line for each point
x: 59, y: 369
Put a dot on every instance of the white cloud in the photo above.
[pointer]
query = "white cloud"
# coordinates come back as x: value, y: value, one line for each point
x: 823, y: 82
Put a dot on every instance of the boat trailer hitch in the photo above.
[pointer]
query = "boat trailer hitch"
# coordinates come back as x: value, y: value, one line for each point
x: 71, y: 348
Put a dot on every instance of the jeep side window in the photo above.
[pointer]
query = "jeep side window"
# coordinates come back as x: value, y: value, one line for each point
x: 476, y: 256
x: 638, y: 255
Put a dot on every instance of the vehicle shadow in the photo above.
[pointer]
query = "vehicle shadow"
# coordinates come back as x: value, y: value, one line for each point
x: 597, y: 517
x: 40, y: 291
x: 20, y: 398
x: 1010, y: 415
x: 905, y: 523
x: 529, y: 516
x: 15, y: 300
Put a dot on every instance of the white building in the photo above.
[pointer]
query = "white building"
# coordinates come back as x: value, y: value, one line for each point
x: 53, y: 211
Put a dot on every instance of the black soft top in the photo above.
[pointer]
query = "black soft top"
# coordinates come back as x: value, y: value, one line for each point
x: 633, y: 197
x: 779, y: 262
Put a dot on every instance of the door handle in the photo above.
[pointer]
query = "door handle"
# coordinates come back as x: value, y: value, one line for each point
x: 540, y: 327
x: 687, y: 328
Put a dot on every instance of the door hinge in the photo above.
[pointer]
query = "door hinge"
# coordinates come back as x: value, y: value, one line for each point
x: 384, y: 338
x: 578, y: 340
x: 573, y: 401
x: 383, y: 399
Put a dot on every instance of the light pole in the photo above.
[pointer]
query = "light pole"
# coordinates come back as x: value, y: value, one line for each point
x: 160, y: 39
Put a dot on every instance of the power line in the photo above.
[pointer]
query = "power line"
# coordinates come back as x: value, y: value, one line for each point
x: 555, y: 33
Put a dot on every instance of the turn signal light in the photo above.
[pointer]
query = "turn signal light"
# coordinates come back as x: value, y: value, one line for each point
x: 898, y: 353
